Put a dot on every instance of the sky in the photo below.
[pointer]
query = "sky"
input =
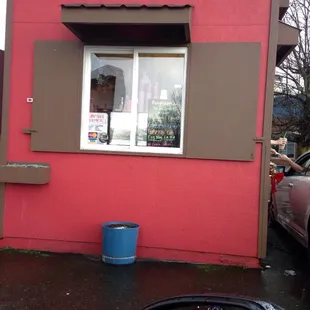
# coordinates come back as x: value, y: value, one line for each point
x: 2, y: 23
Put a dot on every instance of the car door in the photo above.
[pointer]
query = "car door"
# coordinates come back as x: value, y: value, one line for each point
x: 300, y: 202
x: 282, y: 201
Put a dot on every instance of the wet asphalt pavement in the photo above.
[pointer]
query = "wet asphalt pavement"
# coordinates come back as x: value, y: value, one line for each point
x: 56, y: 281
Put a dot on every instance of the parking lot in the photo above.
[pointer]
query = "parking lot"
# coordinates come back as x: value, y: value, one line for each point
x: 31, y: 280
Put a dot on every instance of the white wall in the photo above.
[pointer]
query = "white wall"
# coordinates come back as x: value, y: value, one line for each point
x: 2, y: 23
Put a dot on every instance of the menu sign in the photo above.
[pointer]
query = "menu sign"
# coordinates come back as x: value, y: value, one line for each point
x: 163, y: 123
x: 97, y: 128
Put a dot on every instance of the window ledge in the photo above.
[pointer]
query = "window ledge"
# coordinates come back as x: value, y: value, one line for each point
x: 131, y: 153
x: 135, y: 150
x: 25, y: 173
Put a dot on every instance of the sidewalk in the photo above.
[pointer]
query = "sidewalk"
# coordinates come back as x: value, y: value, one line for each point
x: 56, y: 281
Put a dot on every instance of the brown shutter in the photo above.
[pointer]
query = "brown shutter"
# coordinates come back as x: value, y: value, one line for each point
x: 222, y: 101
x: 56, y: 109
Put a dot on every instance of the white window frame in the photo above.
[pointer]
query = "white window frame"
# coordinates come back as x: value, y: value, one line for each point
x: 88, y: 50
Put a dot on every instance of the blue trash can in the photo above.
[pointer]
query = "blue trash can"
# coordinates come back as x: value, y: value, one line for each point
x: 119, y: 242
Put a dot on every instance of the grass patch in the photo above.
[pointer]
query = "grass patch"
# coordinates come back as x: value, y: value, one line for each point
x: 28, y: 252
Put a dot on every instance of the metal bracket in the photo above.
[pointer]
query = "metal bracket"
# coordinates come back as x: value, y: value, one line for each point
x: 259, y: 139
x: 29, y: 131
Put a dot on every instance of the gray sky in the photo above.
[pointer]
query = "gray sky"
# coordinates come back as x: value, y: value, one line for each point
x: 2, y: 23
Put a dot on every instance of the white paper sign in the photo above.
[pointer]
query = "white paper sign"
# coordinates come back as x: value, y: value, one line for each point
x: 97, y: 128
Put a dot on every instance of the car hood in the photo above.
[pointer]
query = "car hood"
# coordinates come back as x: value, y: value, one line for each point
x: 250, y: 303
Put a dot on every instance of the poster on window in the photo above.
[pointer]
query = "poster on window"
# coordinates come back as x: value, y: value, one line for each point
x: 98, y: 128
x: 163, y: 123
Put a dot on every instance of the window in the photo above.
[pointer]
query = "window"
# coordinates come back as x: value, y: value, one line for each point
x: 306, y: 168
x: 133, y: 99
x: 304, y: 163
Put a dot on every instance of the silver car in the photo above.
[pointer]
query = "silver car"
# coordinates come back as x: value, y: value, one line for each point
x: 290, y: 205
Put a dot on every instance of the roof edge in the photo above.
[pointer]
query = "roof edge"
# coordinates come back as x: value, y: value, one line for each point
x: 125, y: 6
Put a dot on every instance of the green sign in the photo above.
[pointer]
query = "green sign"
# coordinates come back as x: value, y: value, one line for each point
x: 163, y: 123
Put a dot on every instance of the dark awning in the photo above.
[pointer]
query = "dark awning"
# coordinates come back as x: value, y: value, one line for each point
x: 283, y: 7
x: 287, y: 40
x: 128, y: 24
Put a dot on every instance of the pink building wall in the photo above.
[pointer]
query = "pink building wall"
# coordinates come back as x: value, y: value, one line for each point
x: 211, y: 212
x: 1, y: 83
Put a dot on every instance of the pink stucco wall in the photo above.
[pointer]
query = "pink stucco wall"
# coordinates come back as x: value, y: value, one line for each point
x: 211, y: 212
x: 1, y: 82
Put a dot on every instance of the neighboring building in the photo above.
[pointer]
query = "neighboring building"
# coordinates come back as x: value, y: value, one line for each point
x: 157, y: 114
x: 286, y: 110
x: 291, y: 150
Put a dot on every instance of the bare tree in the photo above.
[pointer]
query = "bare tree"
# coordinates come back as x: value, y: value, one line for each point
x: 292, y: 88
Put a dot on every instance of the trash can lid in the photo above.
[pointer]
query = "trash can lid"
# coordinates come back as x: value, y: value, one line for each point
x: 120, y: 226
